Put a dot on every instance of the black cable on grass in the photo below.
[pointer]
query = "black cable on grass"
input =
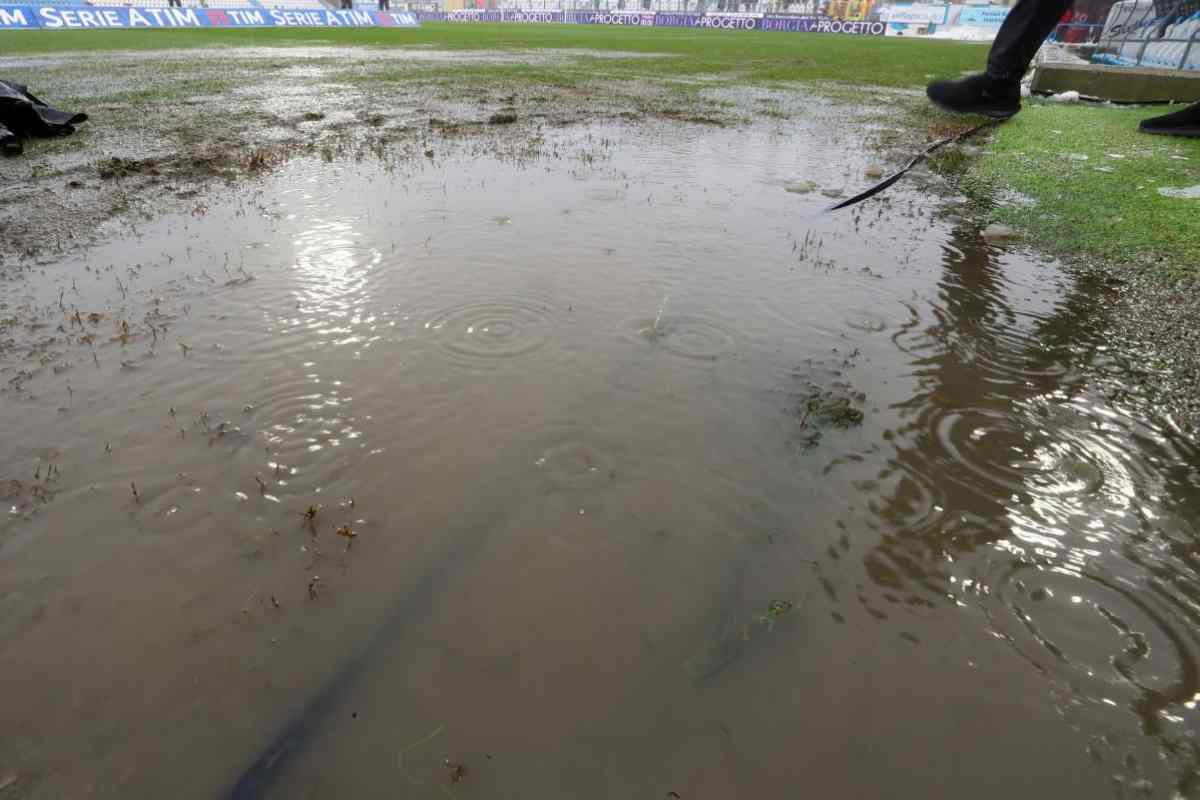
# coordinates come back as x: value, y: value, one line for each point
x: 917, y: 159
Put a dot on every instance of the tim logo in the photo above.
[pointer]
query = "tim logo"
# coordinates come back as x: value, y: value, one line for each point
x: 218, y: 19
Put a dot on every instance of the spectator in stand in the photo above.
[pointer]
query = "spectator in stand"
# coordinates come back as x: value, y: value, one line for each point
x: 996, y: 93
x: 175, y: 3
x: 385, y: 5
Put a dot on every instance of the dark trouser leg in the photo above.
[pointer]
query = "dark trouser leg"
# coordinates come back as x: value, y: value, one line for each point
x: 1023, y: 31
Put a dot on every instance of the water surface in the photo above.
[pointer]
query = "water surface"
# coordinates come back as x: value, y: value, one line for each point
x: 662, y: 482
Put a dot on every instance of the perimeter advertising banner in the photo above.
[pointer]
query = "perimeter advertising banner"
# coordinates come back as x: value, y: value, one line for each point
x: 19, y: 17
x: 814, y: 23
x: 32, y: 16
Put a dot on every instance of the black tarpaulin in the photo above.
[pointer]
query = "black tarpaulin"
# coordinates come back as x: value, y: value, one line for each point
x: 22, y: 115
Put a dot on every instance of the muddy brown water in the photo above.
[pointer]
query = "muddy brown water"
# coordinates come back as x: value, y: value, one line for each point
x: 606, y: 546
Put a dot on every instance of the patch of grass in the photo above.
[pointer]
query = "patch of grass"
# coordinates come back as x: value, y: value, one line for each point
x: 1094, y: 183
x: 750, y: 55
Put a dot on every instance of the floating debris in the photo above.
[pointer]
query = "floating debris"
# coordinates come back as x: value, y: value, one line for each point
x: 310, y: 518
x: 801, y: 187
x: 458, y: 771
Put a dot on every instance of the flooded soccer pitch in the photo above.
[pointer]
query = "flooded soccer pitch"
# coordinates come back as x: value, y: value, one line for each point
x: 618, y: 471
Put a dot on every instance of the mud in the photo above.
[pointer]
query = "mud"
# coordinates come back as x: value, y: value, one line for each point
x: 561, y: 379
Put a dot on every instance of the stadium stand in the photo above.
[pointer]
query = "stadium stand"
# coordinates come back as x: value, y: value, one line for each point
x: 1136, y: 34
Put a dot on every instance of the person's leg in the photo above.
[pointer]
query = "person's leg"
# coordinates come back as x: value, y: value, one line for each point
x: 1023, y: 31
x: 997, y: 93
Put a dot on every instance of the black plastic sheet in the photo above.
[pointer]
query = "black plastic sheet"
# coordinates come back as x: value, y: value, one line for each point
x: 22, y: 116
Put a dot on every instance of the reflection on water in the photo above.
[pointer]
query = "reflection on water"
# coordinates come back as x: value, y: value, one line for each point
x: 1017, y: 495
x: 665, y: 484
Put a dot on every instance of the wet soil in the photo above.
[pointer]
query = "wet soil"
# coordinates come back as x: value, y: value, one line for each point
x: 575, y: 456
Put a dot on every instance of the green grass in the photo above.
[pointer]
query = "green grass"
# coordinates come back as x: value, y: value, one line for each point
x: 750, y: 55
x: 1115, y: 216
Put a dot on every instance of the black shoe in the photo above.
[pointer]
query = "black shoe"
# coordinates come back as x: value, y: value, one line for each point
x: 977, y: 94
x: 1181, y: 123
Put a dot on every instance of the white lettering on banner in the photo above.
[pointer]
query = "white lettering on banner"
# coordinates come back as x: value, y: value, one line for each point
x: 15, y: 18
x: 530, y: 16
x: 157, y: 14
x: 49, y: 18
x: 729, y: 23
x: 363, y: 17
x: 277, y: 19
x: 838, y: 26
x: 185, y: 19
x: 136, y: 18
x: 247, y: 17
x: 113, y: 18
x: 620, y: 19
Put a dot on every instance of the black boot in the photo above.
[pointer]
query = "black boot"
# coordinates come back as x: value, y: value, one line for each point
x: 977, y: 94
x: 1181, y: 123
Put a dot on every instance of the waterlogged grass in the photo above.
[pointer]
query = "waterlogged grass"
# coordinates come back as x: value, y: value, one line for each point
x: 1081, y: 181
x: 748, y: 55
x: 1077, y: 180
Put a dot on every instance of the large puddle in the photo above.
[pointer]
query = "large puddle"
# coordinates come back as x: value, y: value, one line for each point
x: 662, y: 485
